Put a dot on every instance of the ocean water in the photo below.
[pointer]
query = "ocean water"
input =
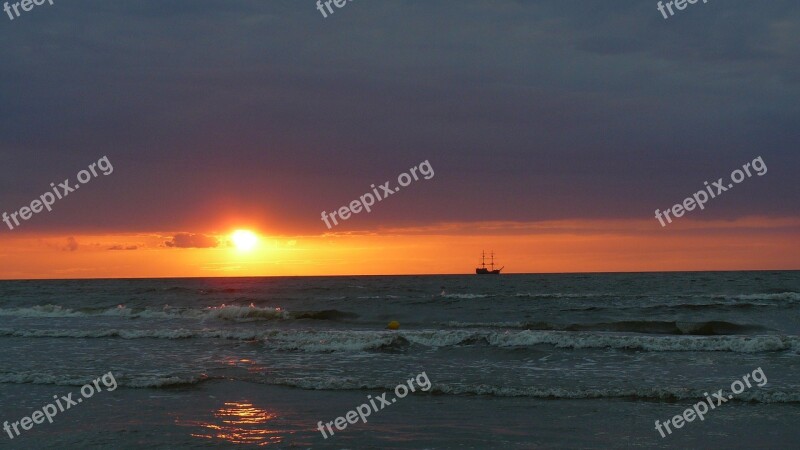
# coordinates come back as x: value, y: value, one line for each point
x: 514, y: 361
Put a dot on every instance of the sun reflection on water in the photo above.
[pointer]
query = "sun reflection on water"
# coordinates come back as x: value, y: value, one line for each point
x: 241, y: 423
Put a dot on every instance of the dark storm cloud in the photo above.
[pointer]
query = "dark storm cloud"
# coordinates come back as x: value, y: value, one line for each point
x: 528, y: 110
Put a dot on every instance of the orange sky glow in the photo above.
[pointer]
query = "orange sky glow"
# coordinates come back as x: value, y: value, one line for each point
x: 453, y: 248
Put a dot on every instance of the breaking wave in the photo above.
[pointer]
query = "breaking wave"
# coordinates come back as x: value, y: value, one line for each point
x: 224, y: 312
x: 152, y: 381
x: 710, y: 328
x: 554, y: 393
x: 359, y: 341
x: 791, y: 296
x: 333, y: 383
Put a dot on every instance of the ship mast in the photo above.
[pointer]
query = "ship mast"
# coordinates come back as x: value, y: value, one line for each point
x: 492, y: 260
x: 483, y: 259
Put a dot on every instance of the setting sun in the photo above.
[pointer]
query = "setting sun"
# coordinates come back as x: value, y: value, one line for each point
x: 244, y: 240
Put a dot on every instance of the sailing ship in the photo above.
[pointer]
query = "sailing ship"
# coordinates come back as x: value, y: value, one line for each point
x: 482, y: 270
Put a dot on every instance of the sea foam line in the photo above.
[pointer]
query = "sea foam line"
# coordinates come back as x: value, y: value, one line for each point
x: 356, y: 341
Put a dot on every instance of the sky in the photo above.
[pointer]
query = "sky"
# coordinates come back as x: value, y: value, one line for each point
x: 555, y: 130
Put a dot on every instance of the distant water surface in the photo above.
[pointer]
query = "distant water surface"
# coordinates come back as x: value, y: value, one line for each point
x: 521, y: 361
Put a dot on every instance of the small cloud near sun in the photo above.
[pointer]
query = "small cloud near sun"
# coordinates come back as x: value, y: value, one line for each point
x: 123, y: 247
x: 188, y: 240
x: 71, y: 245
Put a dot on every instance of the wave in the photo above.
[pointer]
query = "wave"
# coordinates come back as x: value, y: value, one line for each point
x: 716, y: 307
x: 567, y: 295
x: 134, y: 334
x: 791, y: 296
x: 335, y: 341
x: 554, y: 295
x: 151, y: 290
x: 328, y: 314
x: 671, y: 394
x: 710, y: 328
x: 660, y: 394
x: 224, y: 312
x: 776, y: 296
x: 166, y: 381
x: 241, y: 313
x: 737, y: 344
x: 787, y: 295
x: 333, y: 383
x: 187, y: 290
x: 465, y: 296
x: 220, y: 291
x: 151, y: 381
x: 49, y: 311
x: 362, y: 341
x: 553, y: 393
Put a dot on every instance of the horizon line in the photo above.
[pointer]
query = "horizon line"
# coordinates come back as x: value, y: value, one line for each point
x: 395, y: 275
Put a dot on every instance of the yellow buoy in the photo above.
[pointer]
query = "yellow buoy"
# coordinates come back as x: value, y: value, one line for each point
x: 393, y: 325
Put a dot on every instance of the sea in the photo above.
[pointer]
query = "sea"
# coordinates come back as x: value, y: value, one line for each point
x: 517, y: 361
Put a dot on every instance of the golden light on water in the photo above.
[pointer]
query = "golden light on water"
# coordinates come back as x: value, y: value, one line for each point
x: 241, y: 423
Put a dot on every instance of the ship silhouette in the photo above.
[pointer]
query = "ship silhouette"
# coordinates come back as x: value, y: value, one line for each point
x: 482, y: 270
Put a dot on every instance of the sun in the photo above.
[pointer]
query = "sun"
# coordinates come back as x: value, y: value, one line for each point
x: 244, y: 240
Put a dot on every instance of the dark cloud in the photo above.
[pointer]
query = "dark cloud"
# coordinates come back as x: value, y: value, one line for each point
x: 122, y: 247
x: 188, y: 240
x: 528, y: 110
x: 72, y: 244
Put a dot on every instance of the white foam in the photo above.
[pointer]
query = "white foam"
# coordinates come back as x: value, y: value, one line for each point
x: 754, y: 394
x: 791, y: 296
x: 562, y: 295
x: 560, y: 339
x: 133, y: 334
x: 49, y: 311
x: 224, y: 312
x: 455, y: 324
x: 42, y: 378
x: 73, y: 380
x: 667, y: 394
x: 356, y: 341
x: 439, y: 338
x: 465, y: 296
x: 330, y: 341
x: 163, y: 381
x: 245, y: 312
x: 670, y: 393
